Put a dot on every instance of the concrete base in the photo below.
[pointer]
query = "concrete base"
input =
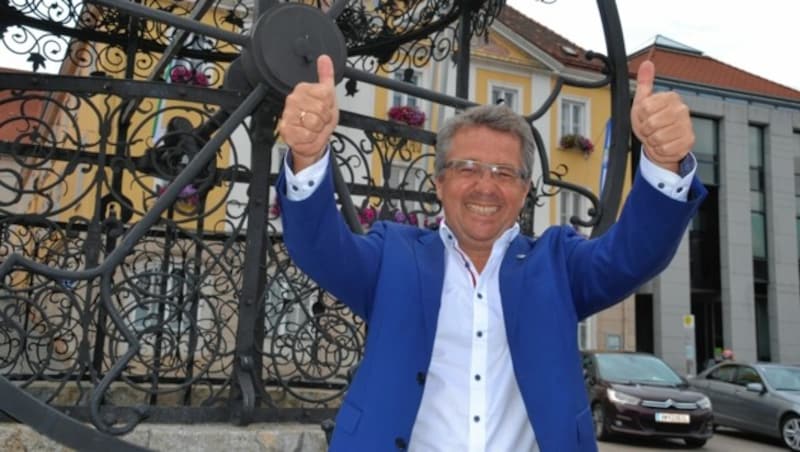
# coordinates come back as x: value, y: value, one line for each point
x: 199, y: 437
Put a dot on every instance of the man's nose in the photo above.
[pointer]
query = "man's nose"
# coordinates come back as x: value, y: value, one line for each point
x: 485, y: 173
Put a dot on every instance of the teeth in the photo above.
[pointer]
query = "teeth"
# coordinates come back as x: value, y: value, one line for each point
x: 482, y: 210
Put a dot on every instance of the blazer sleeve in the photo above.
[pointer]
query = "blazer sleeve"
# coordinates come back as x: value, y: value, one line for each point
x: 321, y: 244
x: 636, y: 248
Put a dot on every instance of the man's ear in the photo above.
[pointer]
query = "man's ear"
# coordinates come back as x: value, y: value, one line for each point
x: 437, y: 184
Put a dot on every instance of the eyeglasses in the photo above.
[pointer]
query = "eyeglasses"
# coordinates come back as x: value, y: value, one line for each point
x: 472, y: 169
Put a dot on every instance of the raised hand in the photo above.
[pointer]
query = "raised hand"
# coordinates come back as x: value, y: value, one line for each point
x: 309, y: 116
x: 661, y: 121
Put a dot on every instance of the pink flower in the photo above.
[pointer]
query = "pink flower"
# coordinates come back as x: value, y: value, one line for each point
x: 188, y: 194
x: 407, y: 114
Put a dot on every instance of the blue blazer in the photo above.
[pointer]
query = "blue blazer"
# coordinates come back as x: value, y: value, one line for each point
x: 392, y: 278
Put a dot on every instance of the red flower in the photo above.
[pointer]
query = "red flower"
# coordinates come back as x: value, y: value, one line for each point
x: 407, y: 114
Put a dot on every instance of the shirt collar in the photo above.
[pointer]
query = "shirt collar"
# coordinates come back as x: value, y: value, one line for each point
x: 501, y: 244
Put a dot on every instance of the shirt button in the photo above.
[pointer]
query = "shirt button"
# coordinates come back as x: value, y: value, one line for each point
x: 421, y: 378
x: 680, y: 189
x: 661, y: 185
x: 400, y: 443
x: 294, y: 187
x: 476, y: 418
x: 480, y: 296
x: 479, y: 334
x: 311, y: 183
x: 477, y: 377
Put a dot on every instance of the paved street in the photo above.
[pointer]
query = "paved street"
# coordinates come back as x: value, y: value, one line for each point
x: 725, y: 440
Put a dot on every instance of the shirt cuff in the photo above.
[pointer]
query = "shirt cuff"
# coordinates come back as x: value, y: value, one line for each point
x: 303, y: 184
x: 676, y: 186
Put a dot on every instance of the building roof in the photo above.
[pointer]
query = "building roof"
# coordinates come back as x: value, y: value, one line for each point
x: 547, y: 40
x: 677, y: 62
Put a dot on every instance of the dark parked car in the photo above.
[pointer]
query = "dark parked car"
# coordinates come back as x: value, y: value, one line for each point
x: 639, y: 394
x: 762, y: 398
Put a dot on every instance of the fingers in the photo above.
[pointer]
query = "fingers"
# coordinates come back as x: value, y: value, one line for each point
x: 661, y: 121
x: 658, y: 111
x: 325, y: 71
x: 310, y: 114
x: 644, y: 80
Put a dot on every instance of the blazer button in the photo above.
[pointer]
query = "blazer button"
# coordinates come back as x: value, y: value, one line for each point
x: 400, y: 443
x: 421, y: 378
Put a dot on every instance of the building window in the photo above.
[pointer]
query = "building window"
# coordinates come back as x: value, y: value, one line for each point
x: 571, y: 203
x: 506, y: 96
x: 408, y: 76
x: 152, y: 298
x: 757, y: 193
x: 758, y: 220
x: 706, y: 149
x: 797, y: 187
x: 586, y: 334
x: 573, y: 117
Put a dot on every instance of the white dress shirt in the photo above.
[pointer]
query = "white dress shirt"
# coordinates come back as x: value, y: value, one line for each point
x: 471, y: 400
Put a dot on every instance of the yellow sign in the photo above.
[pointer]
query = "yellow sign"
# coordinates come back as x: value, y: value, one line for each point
x: 688, y: 321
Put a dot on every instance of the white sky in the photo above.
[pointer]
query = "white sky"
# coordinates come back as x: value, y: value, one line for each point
x: 760, y: 37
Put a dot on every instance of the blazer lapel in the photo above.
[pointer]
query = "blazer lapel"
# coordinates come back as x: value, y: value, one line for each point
x: 512, y: 277
x: 430, y: 265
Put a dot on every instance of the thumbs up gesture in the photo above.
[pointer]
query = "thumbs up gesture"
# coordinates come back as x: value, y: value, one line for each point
x: 309, y: 116
x: 661, y: 121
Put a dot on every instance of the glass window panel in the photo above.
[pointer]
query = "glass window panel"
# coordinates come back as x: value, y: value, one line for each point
x: 506, y: 96
x: 577, y: 119
x: 707, y: 172
x: 705, y: 131
x: 756, y: 180
x: 572, y: 117
x: 756, y: 201
x: 399, y: 99
x: 756, y: 135
x: 797, y: 226
x: 759, y: 235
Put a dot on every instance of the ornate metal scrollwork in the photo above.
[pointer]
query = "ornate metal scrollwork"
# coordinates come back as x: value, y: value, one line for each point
x: 141, y: 260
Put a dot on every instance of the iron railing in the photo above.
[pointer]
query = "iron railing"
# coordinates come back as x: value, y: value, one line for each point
x: 143, y: 273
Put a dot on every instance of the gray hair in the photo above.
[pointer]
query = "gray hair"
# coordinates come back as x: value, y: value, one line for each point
x: 496, y: 117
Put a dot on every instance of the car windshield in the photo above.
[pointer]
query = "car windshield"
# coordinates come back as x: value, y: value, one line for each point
x: 634, y: 368
x: 782, y: 378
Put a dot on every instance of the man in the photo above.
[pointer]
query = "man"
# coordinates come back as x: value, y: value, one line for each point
x: 472, y: 342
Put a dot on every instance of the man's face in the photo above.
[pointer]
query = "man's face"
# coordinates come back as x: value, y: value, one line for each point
x: 478, y: 206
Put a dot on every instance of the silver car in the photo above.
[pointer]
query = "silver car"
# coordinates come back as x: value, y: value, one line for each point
x: 762, y: 398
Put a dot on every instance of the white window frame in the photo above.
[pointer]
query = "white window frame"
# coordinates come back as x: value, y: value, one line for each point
x: 571, y: 203
x: 298, y: 314
x: 138, y: 315
x: 508, y: 88
x: 585, y: 332
x: 399, y: 99
x: 583, y: 127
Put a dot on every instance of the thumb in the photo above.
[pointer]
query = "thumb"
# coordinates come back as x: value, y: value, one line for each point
x: 325, y: 70
x: 644, y: 80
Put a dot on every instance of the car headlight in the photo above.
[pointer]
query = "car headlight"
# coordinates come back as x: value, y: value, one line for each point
x: 622, y: 398
x: 704, y: 403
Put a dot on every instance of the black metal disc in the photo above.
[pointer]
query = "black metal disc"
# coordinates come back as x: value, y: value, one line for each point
x: 286, y: 42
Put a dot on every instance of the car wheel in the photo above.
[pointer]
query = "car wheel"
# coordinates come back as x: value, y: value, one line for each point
x: 599, y: 417
x: 694, y: 443
x: 790, y: 432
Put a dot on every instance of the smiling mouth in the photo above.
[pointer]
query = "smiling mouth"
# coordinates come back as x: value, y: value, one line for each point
x: 482, y: 209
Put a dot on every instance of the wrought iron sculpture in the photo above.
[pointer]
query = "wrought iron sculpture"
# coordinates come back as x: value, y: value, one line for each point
x: 142, y: 269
